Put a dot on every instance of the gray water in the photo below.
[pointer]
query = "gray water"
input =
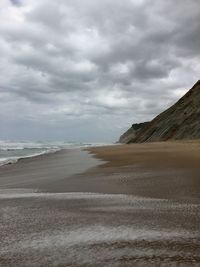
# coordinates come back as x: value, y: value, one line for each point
x: 12, y: 151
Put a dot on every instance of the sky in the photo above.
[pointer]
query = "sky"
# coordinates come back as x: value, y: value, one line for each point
x: 85, y: 70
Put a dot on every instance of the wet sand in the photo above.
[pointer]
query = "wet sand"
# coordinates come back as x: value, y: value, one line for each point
x: 126, y: 205
x: 48, y: 172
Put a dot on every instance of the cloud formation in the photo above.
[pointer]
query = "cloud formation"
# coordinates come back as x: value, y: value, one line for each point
x: 16, y: 2
x: 87, y: 69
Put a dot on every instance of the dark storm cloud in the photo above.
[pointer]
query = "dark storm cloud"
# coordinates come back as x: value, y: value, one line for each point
x: 16, y: 2
x: 106, y: 63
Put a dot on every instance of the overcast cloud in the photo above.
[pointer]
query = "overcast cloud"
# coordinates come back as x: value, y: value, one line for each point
x: 86, y: 70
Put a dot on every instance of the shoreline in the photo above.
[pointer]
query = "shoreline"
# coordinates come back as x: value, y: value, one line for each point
x: 164, y: 170
x: 46, y: 172
x: 11, y: 160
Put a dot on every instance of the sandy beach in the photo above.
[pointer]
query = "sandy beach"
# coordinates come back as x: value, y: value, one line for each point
x: 168, y: 170
x: 121, y: 205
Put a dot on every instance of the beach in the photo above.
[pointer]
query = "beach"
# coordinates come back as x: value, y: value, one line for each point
x: 120, y: 205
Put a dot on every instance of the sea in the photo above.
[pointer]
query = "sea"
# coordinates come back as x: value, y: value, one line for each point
x: 12, y: 151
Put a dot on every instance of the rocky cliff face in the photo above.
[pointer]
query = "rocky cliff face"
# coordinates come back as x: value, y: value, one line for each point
x: 132, y: 132
x: 181, y: 121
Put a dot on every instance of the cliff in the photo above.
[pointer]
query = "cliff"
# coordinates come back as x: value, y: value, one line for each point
x: 180, y: 121
x: 132, y: 132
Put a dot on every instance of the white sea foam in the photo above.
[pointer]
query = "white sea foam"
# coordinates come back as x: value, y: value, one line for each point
x: 28, y: 154
x: 11, y: 152
x: 10, y: 145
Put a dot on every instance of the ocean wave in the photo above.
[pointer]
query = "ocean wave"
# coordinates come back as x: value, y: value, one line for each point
x: 5, y: 161
x: 11, y: 146
x: 15, y: 159
x: 12, y: 155
x: 11, y: 152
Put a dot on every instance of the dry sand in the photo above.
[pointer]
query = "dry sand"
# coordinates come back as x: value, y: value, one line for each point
x: 131, y: 205
x: 159, y: 170
x: 178, y: 154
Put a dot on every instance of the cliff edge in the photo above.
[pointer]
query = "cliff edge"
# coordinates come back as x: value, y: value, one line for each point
x: 180, y: 121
